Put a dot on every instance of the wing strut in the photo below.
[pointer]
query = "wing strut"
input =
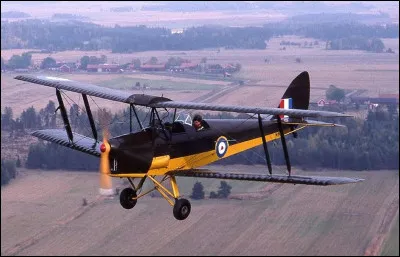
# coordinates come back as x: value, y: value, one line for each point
x: 130, y: 118
x: 90, y: 116
x: 265, y: 145
x: 64, y: 115
x: 283, y: 140
x: 132, y: 107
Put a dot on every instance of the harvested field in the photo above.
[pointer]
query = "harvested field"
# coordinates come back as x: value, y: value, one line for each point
x: 21, y: 95
x: 376, y: 73
x: 289, y: 220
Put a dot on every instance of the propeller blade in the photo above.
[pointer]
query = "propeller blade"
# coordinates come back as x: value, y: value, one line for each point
x: 105, y: 180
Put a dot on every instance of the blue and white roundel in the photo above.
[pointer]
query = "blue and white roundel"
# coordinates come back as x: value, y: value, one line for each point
x: 221, y: 147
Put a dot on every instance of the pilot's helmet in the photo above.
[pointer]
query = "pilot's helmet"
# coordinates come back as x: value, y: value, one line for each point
x: 197, y: 117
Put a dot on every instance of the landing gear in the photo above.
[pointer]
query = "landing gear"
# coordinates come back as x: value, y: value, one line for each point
x: 181, y: 206
x: 125, y: 198
x: 181, y: 209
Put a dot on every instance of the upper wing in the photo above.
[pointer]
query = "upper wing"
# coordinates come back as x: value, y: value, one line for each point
x: 298, y: 113
x: 307, y: 180
x: 93, y: 90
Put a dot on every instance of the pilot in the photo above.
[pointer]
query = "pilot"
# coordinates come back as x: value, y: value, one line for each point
x: 197, y: 122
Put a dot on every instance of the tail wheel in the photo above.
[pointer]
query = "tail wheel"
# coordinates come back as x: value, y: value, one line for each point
x: 181, y: 209
x: 125, y: 198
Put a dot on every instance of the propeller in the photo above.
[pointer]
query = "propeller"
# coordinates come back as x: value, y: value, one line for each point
x: 105, y: 179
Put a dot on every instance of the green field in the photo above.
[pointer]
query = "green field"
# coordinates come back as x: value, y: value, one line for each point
x: 129, y: 83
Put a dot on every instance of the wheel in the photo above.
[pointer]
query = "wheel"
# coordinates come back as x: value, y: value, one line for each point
x: 125, y: 198
x: 181, y: 209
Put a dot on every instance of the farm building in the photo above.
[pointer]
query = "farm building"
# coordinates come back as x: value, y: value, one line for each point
x: 152, y: 67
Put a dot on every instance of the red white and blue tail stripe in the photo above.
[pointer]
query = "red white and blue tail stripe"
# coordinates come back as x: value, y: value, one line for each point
x: 285, y: 103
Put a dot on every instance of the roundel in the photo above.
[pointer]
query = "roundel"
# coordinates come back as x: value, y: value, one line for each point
x: 221, y: 146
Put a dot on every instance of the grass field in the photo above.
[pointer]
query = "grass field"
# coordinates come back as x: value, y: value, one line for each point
x: 292, y: 220
x: 124, y: 82
x: 21, y: 95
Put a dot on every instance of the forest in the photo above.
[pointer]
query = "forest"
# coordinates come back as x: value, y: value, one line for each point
x: 77, y: 35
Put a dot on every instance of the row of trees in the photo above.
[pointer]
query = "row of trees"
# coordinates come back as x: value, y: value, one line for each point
x: 357, y: 42
x: 30, y: 118
x: 223, y: 192
x: 22, y: 61
x: 365, y: 144
x: 58, y: 36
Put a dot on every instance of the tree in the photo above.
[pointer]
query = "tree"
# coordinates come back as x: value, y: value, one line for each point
x: 28, y: 118
x: 376, y: 45
x: 153, y: 60
x: 5, y: 176
x: 50, y: 115
x: 172, y: 61
x: 387, y: 51
x: 20, y: 61
x: 94, y: 60
x: 84, y: 62
x: 48, y: 62
x: 18, y: 162
x: 74, y: 113
x: 197, y: 191
x: 6, y: 118
x: 224, y: 190
x: 136, y: 63
x: 103, y: 59
x: 334, y: 93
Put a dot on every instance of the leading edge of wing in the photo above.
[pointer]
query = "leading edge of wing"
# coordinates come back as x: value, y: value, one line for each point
x: 307, y: 180
x: 298, y: 113
x: 81, y: 143
x: 93, y: 90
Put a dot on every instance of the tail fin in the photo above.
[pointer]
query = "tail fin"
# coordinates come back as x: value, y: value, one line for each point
x: 297, y: 95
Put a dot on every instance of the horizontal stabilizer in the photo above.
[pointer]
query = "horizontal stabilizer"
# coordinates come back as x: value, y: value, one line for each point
x: 81, y: 143
x: 307, y: 180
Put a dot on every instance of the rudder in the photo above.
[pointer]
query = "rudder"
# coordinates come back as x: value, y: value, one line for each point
x: 299, y: 92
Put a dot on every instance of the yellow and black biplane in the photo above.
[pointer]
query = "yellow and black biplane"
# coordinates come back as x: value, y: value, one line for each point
x: 162, y: 150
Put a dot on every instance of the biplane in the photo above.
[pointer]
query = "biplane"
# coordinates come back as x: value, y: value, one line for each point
x: 163, y: 150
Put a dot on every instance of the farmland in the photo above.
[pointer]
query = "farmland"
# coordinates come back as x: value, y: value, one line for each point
x: 376, y: 73
x: 312, y: 220
x: 42, y: 212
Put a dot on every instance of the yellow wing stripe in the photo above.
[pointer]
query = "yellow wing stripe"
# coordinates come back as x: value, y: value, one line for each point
x: 201, y: 159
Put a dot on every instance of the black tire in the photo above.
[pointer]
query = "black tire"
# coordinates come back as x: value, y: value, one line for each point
x: 125, y: 198
x: 181, y: 209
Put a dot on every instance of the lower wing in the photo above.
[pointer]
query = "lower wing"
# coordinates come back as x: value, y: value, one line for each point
x: 80, y: 142
x: 307, y: 180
